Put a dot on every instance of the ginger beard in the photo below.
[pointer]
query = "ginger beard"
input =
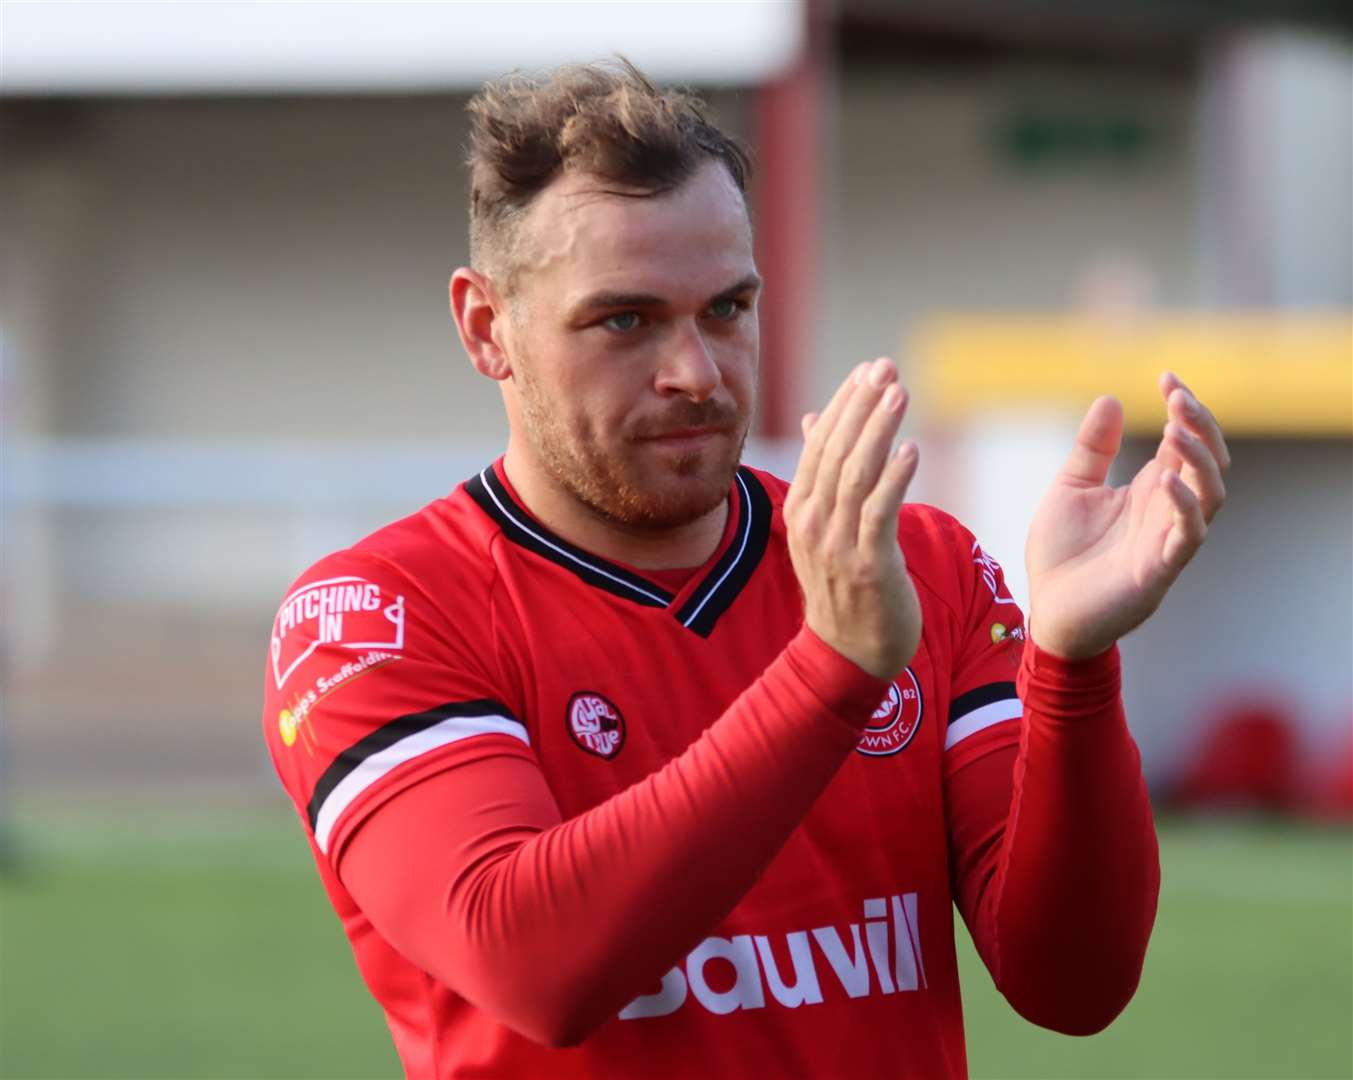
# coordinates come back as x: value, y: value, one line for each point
x: 635, y: 485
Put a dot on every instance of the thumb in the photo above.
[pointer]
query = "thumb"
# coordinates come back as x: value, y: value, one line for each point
x: 1097, y: 442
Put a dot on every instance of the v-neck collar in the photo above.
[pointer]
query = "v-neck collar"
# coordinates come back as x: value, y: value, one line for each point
x: 701, y: 601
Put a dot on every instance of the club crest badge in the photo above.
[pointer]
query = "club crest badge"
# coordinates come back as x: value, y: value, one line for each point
x: 595, y: 724
x: 896, y: 719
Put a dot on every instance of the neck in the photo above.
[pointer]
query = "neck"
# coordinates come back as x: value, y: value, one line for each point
x: 558, y: 509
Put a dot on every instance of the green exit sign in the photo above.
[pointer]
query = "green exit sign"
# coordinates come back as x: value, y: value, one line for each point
x: 1033, y: 137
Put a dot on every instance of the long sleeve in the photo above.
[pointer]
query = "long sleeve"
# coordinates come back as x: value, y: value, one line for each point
x: 551, y: 926
x: 1053, y: 849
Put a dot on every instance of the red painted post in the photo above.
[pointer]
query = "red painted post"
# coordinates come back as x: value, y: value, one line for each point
x: 789, y: 148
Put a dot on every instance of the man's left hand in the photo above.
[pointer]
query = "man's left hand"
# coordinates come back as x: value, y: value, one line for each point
x: 1101, y: 559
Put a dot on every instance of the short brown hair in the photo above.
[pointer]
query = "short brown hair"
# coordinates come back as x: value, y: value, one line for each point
x: 606, y: 119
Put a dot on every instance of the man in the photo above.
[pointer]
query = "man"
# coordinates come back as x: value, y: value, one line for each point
x: 625, y: 760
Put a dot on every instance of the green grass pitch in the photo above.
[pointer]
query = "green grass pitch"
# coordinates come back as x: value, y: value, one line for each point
x: 143, y: 944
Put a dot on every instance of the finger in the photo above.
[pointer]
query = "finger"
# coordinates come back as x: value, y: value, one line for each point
x: 1188, y: 529
x: 1168, y: 383
x: 816, y: 432
x: 1182, y: 404
x: 850, y: 424
x: 878, y: 514
x: 867, y: 458
x: 1202, y: 472
x: 1166, y: 455
x: 1097, y: 442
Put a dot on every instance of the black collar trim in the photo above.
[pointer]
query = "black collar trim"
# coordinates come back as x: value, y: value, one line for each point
x: 492, y: 496
x: 711, y: 598
x: 723, y: 583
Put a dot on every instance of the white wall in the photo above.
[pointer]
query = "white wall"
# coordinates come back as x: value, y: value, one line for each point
x: 1275, y: 222
x: 270, y: 269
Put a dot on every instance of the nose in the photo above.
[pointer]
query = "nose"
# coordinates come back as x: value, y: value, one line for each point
x: 688, y: 366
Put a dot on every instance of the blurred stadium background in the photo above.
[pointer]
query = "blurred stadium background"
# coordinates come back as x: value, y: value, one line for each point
x: 227, y: 230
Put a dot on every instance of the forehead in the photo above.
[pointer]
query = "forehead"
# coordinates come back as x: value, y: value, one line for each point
x: 581, y: 235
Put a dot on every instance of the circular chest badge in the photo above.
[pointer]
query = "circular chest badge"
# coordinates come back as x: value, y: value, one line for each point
x: 895, y: 721
x: 595, y: 724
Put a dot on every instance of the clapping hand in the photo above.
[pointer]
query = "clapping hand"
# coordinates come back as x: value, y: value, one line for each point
x: 841, y: 522
x: 1100, y: 559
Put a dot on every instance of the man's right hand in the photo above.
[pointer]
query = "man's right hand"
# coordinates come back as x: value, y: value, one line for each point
x: 841, y: 517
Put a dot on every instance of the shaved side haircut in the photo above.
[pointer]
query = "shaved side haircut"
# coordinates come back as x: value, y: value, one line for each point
x: 606, y: 119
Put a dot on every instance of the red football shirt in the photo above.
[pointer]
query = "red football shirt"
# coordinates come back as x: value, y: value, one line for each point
x: 469, y: 633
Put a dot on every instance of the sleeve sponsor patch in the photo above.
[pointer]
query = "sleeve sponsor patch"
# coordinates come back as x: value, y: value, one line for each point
x: 345, y: 612
x: 293, y: 720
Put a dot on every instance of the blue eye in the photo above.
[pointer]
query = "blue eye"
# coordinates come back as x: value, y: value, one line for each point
x: 726, y: 309
x: 622, y: 322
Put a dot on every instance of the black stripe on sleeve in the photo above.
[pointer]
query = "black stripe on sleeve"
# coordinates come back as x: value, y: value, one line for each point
x: 983, y: 695
x: 387, y: 735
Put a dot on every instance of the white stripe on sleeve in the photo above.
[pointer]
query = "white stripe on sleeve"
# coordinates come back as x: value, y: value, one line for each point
x: 984, y: 717
x: 450, y: 730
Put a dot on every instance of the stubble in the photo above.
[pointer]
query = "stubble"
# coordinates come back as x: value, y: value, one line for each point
x: 612, y: 485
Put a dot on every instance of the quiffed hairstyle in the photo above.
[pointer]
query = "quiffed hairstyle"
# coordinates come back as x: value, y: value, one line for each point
x: 605, y: 119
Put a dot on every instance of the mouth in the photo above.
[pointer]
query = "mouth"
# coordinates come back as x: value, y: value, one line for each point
x: 685, y: 437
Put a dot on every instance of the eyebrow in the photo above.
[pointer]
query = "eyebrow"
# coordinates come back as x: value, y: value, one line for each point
x: 596, y: 300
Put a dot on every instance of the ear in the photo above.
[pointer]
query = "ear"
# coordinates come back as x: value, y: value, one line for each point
x: 481, y: 318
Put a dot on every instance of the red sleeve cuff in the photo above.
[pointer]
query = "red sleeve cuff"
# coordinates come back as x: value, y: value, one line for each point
x: 845, y: 688
x: 1068, y: 689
